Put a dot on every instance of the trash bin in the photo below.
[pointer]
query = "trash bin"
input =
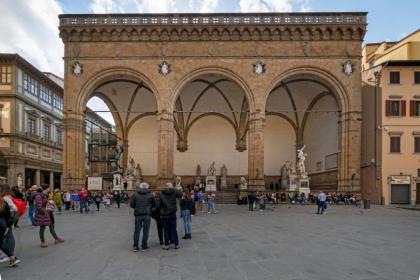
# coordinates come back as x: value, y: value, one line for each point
x: 366, y: 203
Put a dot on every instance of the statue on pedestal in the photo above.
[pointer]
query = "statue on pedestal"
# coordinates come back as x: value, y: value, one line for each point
x: 301, y: 162
x: 223, y: 180
x: 178, y: 183
x: 198, y: 175
x: 244, y: 184
x: 20, y: 181
x: 118, y: 153
x: 212, y: 170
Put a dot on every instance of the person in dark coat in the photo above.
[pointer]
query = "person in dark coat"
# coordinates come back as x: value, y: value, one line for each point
x: 158, y: 219
x: 142, y: 202
x: 251, y: 200
x: 44, y: 215
x: 168, y: 198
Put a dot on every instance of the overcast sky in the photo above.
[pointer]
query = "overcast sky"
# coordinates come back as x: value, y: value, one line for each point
x: 30, y: 27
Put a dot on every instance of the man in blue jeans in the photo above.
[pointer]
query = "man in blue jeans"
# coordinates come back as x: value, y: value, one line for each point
x: 321, y: 202
x: 142, y: 201
x: 31, y: 198
x: 168, y: 198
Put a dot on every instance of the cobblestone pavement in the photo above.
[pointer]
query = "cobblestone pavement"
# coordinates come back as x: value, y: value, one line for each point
x: 290, y: 242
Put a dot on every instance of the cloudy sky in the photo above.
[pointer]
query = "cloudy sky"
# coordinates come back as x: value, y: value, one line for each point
x: 29, y: 27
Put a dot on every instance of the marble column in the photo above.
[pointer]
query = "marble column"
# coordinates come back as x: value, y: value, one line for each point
x: 165, y: 148
x: 38, y: 177
x: 256, y: 151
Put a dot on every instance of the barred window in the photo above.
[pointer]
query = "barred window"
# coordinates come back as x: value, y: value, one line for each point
x: 58, y: 102
x: 5, y: 75
x: 29, y: 84
x: 45, y: 94
x: 394, y: 77
x: 417, y: 144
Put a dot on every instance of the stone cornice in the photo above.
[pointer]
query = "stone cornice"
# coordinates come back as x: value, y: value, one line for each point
x: 213, y: 27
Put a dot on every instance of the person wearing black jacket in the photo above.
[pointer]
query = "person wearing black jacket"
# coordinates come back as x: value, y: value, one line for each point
x: 156, y: 216
x: 142, y: 201
x: 251, y: 200
x: 168, y: 198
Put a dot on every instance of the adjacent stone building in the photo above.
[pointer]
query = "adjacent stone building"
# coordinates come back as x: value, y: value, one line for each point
x: 391, y: 124
x: 31, y: 130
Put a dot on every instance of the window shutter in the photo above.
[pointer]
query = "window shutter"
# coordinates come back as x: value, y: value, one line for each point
x: 412, y: 108
x: 388, y: 108
x: 403, y: 108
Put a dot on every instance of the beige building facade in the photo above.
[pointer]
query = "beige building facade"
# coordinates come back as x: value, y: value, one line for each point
x: 31, y: 130
x: 391, y: 139
x: 240, y: 90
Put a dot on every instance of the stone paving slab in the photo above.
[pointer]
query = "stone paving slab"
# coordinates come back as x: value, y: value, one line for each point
x: 290, y: 243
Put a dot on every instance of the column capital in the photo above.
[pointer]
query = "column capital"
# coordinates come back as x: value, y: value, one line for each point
x: 164, y: 115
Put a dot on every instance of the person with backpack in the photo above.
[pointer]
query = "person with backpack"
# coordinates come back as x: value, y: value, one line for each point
x: 187, y: 205
x: 17, y: 195
x: 30, y: 198
x: 168, y: 198
x: 44, y: 215
x: 8, y: 239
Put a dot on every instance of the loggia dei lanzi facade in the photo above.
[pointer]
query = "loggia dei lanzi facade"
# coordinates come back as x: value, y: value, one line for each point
x: 240, y: 90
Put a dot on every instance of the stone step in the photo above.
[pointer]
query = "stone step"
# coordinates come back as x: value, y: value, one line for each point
x: 226, y: 198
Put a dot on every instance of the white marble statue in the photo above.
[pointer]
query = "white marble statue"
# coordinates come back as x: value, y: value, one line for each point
x: 223, y: 171
x: 178, y: 182
x: 212, y: 170
x: 244, y: 184
x: 138, y: 171
x: 301, y: 162
x: 20, y: 181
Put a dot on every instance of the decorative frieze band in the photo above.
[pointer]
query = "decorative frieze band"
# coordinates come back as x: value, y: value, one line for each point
x: 95, y: 28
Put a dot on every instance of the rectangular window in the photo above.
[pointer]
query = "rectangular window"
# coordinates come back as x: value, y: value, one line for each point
x: 58, y: 136
x: 29, y: 84
x: 417, y: 144
x: 414, y: 108
x: 395, y: 144
x: 45, y: 94
x: 58, y: 102
x: 46, y: 131
x: 394, y: 77
x: 395, y: 108
x: 31, y: 126
x: 5, y: 75
x: 417, y: 77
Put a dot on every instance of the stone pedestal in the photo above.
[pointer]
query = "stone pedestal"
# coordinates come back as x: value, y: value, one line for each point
x: 303, y: 186
x: 210, y: 183
x: 223, y: 183
x: 292, y: 183
x: 117, y: 182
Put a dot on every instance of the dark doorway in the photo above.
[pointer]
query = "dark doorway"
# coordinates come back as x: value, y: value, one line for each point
x: 57, y: 180
x: 400, y: 194
x: 30, y: 177
x: 45, y: 178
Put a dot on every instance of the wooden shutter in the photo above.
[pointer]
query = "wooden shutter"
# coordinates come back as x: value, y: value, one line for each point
x: 388, y: 108
x: 403, y: 108
x: 412, y: 108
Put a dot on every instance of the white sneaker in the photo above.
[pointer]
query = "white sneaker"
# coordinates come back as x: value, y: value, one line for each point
x: 4, y: 259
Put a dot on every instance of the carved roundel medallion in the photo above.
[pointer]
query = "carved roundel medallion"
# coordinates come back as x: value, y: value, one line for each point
x: 77, y: 69
x: 164, y: 68
x: 258, y: 68
x: 347, y: 68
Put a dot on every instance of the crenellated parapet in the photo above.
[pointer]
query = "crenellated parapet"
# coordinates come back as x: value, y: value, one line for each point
x: 213, y: 27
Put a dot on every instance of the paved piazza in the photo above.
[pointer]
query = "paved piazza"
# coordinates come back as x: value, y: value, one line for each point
x: 287, y: 243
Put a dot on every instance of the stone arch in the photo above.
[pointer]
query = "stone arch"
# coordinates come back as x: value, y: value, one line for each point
x: 212, y: 70
x: 119, y: 126
x: 325, y: 76
x: 108, y: 75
